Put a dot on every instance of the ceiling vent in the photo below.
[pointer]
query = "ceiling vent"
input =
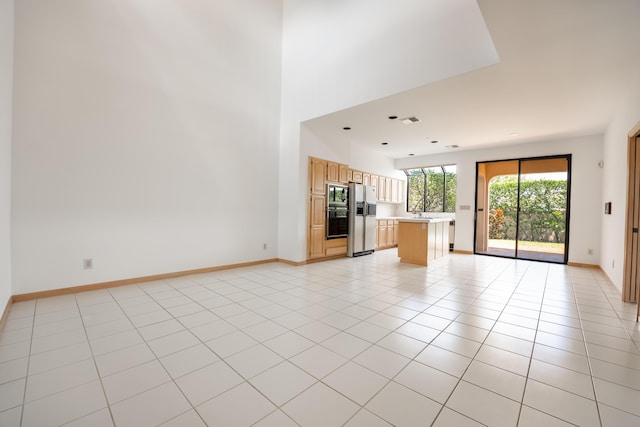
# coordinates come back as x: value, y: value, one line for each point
x: 409, y: 120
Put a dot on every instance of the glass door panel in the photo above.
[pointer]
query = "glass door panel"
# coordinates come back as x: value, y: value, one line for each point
x: 543, y: 209
x: 496, y: 208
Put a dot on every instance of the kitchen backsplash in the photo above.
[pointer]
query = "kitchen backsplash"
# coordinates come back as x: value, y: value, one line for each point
x: 385, y: 210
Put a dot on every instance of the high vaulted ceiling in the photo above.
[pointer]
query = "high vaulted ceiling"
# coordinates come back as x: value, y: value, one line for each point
x: 564, y: 67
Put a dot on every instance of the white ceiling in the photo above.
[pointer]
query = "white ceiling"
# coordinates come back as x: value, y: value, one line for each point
x: 564, y: 66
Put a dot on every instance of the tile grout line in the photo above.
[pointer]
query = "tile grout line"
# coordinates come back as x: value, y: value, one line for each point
x: 593, y: 385
x: 26, y: 378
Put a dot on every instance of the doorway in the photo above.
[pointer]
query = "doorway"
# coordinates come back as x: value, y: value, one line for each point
x: 630, y: 288
x: 522, y: 208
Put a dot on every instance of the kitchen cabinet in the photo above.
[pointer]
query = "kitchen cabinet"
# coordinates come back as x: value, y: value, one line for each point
x: 381, y: 190
x: 335, y: 247
x: 374, y: 181
x: 337, y: 173
x: 356, y: 176
x: 366, y: 179
x: 342, y: 174
x: 381, y: 229
x: 402, y: 187
x: 333, y: 172
x: 388, y: 195
x: 395, y: 191
x: 395, y: 232
x: 387, y: 233
x: 422, y: 241
x: 317, y: 174
x: 317, y: 226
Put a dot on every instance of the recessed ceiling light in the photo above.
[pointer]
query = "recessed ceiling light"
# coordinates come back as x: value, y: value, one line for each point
x: 385, y: 143
x: 451, y: 147
x: 346, y: 128
x: 434, y: 142
x: 393, y: 117
x: 513, y: 134
x: 411, y: 154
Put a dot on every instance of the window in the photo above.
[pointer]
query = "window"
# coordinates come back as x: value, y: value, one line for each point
x: 431, y: 189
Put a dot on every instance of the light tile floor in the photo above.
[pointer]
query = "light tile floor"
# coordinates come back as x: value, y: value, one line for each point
x: 468, y: 341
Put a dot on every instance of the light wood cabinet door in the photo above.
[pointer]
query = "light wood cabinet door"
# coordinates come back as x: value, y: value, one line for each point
x: 335, y: 247
x: 366, y: 179
x: 382, y: 233
x: 343, y: 174
x: 374, y: 181
x: 317, y: 226
x: 381, y: 189
x: 389, y: 233
x: 445, y: 238
x: 401, y: 191
x: 388, y: 189
x: 317, y: 173
x: 395, y: 192
x: 333, y: 172
x: 396, y: 225
x: 357, y: 176
x: 412, y: 243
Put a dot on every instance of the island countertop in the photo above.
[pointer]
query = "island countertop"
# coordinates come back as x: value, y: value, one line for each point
x: 425, y: 220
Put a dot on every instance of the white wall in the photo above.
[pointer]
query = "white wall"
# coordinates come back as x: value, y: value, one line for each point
x: 615, y: 185
x: 145, y: 137
x: 334, y: 58
x: 6, y: 84
x: 586, y: 188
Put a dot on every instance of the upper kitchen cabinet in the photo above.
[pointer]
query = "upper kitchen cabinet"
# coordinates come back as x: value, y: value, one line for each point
x: 397, y: 192
x: 388, y: 195
x: 390, y: 190
x: 355, y: 176
x: 337, y: 173
x: 343, y: 173
x: 366, y: 178
x: 333, y: 172
x: 317, y: 173
x: 374, y: 180
x: 381, y: 191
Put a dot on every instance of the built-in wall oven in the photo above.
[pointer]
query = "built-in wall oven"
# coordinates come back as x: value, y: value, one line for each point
x: 337, y: 211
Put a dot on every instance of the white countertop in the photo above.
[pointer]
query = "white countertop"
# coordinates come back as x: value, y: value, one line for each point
x: 425, y: 219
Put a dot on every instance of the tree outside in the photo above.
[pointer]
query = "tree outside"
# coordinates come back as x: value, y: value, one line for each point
x: 432, y: 189
x: 542, y: 209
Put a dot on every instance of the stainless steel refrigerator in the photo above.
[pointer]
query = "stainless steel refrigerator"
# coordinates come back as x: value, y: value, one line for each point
x: 362, y: 220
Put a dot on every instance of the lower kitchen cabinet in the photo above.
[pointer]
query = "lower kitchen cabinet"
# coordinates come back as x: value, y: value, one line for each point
x: 335, y: 247
x: 387, y: 230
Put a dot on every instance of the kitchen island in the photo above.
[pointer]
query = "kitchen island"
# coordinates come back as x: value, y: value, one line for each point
x: 422, y: 240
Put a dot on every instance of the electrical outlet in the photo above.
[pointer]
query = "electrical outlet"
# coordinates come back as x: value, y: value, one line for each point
x: 264, y: 246
x: 613, y: 263
x: 87, y: 263
x: 590, y: 251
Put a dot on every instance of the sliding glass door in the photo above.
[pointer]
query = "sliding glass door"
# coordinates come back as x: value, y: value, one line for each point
x: 522, y: 208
